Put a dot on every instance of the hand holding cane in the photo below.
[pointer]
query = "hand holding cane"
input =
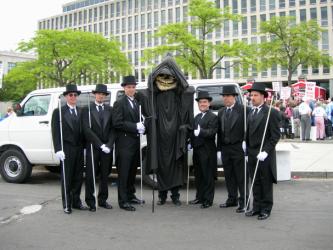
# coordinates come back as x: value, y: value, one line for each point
x: 62, y: 149
x: 261, y: 145
x: 92, y: 155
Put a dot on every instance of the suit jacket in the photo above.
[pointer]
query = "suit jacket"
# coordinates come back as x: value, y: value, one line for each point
x: 236, y: 120
x: 208, y: 129
x: 98, y: 134
x: 71, y: 133
x: 255, y: 133
x: 125, y: 117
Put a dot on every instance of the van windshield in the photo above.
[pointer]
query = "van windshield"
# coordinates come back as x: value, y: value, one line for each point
x: 215, y: 92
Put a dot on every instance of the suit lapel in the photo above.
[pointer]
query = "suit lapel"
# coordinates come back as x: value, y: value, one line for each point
x: 234, y: 116
x: 258, y: 120
x: 94, y: 113
x: 131, y: 110
x: 67, y: 117
x: 222, y: 119
x: 106, y: 116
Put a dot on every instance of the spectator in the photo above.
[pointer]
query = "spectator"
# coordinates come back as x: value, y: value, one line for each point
x: 296, y: 120
x: 319, y: 115
x: 305, y: 113
x: 328, y: 121
x: 10, y: 112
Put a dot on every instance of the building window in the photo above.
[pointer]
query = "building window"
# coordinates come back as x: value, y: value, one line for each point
x: 313, y: 1
x: 111, y: 10
x: 143, y: 21
x: 324, y: 38
x: 177, y: 15
x: 163, y: 17
x: 226, y: 3
x: 95, y: 14
x: 324, y: 19
x: 136, y: 22
x: 262, y: 5
x: 253, y: 5
x: 106, y: 29
x: 118, y: 9
x: 274, y: 70
x: 123, y: 25
x: 244, y: 6
x: 143, y: 40
x: 226, y: 28
x: 155, y: 19
x: 123, y: 8
x: 170, y: 16
x: 100, y: 12
x: 149, y: 19
x: 253, y: 24
x: 149, y: 39
x: 235, y: 6
x: 75, y: 19
x: 235, y: 28
x: 315, y: 69
x: 117, y: 26
x: 106, y: 11
x: 313, y: 13
x: 136, y: 40
x: 129, y: 41
x: 184, y: 13
x: 302, y: 2
x: 282, y: 3
x: 143, y: 5
x: 129, y: 24
x: 292, y: 3
x: 111, y: 27
x: 283, y: 71
x: 304, y: 69
x: 11, y: 65
x: 302, y: 15
x: 227, y: 69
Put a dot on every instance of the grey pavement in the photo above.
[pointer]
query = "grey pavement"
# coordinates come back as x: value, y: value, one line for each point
x: 301, y: 219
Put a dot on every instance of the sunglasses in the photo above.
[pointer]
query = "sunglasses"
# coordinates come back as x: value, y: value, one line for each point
x: 73, y: 94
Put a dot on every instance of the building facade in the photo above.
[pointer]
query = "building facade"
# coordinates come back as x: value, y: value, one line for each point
x: 9, y: 59
x: 134, y: 22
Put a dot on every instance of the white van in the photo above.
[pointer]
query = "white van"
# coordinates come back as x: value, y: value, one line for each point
x: 26, y: 141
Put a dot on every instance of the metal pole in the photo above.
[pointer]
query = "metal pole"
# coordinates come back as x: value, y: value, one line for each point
x: 188, y: 183
x: 262, y: 143
x: 62, y: 149
x: 245, y: 163
x: 92, y: 154
x: 141, y: 165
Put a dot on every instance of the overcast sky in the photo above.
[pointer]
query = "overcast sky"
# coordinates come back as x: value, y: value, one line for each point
x: 19, y: 19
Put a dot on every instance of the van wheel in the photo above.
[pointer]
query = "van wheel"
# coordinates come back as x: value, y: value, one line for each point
x: 148, y: 178
x: 14, y: 166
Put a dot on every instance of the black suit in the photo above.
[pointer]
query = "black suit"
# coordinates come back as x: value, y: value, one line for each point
x: 229, y: 141
x: 73, y: 149
x: 99, y: 133
x: 204, y: 156
x: 266, y: 173
x: 127, y: 147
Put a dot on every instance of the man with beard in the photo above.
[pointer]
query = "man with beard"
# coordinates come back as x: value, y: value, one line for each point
x: 169, y: 115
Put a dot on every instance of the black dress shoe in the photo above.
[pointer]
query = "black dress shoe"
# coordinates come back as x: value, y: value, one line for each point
x: 105, y: 205
x: 80, y: 207
x: 195, y: 202
x: 127, y: 207
x: 137, y: 201
x: 176, y: 202
x: 92, y: 209
x: 240, y: 210
x: 252, y: 213
x: 67, y: 211
x: 206, y: 205
x: 161, y: 202
x: 263, y: 216
x: 228, y: 204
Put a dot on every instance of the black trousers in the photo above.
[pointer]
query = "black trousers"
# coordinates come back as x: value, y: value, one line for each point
x: 102, y: 164
x: 204, y: 173
x: 73, y: 175
x: 234, y: 172
x: 127, y: 162
x: 174, y: 193
x: 263, y: 184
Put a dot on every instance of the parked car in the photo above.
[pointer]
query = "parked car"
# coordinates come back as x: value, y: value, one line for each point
x: 26, y: 140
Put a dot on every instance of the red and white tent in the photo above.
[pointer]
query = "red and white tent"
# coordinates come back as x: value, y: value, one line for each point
x: 298, y: 90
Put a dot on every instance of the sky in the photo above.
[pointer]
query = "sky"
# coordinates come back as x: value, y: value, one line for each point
x: 19, y: 19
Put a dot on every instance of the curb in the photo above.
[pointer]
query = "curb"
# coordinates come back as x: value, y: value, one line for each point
x: 303, y: 174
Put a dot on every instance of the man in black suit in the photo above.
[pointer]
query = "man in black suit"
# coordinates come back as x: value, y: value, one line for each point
x: 231, y: 141
x: 72, y: 153
x: 204, y: 151
x: 266, y: 173
x: 97, y: 127
x: 128, y: 127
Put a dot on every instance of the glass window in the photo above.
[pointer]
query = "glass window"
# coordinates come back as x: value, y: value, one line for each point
x: 106, y: 11
x: 292, y: 3
x: 235, y: 28
x: 271, y: 4
x: 118, y: 9
x: 111, y: 10
x: 155, y: 19
x: 302, y: 2
x: 244, y: 6
x: 136, y: 40
x: 324, y: 19
x: 253, y: 24
x: 123, y: 8
x: 106, y: 29
x: 170, y: 16
x: 235, y: 6
x: 177, y: 15
x: 143, y: 39
x: 149, y: 20
x: 262, y: 5
x: 313, y: 13
x: 226, y: 28
x: 149, y: 39
x: 244, y: 26
x: 253, y: 5
x: 36, y: 106
x: 227, y: 69
x: 136, y: 22
x: 185, y: 13
x: 304, y: 69
x: 163, y: 20
x: 111, y: 27
x: 324, y: 38
x: 100, y: 12
x: 129, y: 24
x: 118, y: 26
x: 274, y: 70
x: 226, y: 3
x: 123, y: 42
x: 282, y: 3
x: 315, y: 69
x: 130, y: 43
x: 302, y: 15
x: 143, y: 5
x: 123, y: 24
x: 143, y: 21
x: 313, y: 1
x: 95, y: 14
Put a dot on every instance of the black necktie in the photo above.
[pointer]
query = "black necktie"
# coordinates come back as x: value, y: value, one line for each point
x: 72, y: 110
x: 255, y: 112
x: 100, y: 113
x: 228, y: 112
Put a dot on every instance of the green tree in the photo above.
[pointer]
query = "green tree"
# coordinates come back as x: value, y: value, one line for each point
x: 66, y: 57
x: 23, y: 75
x: 291, y: 45
x: 189, y: 40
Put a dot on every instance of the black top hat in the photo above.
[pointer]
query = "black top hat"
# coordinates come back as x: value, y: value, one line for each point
x: 260, y: 87
x: 203, y: 95
x: 229, y: 90
x: 129, y: 80
x: 71, y: 88
x: 101, y: 88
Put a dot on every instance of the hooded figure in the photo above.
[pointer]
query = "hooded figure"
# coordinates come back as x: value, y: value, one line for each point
x: 169, y: 114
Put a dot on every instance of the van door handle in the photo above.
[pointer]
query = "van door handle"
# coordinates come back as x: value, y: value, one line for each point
x: 44, y: 122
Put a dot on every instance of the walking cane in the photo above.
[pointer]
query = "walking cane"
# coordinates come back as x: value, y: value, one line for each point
x: 92, y: 154
x: 141, y: 165
x: 188, y: 183
x: 245, y: 163
x: 62, y: 149
x: 261, y: 145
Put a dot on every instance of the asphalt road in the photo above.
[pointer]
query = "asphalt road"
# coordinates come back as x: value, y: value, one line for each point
x: 302, y: 218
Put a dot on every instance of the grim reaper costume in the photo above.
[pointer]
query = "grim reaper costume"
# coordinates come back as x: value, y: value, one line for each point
x: 169, y: 109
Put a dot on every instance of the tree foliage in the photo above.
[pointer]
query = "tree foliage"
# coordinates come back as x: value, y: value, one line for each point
x: 189, y: 40
x: 291, y: 45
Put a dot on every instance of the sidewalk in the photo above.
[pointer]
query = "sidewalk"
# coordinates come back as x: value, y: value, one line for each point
x: 312, y: 159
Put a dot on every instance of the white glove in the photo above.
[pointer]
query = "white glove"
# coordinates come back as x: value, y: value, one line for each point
x: 105, y: 149
x: 60, y: 155
x: 197, y: 131
x: 246, y: 158
x: 244, y: 146
x: 140, y: 126
x: 262, y: 156
x: 141, y: 131
x: 219, y: 155
x: 189, y: 147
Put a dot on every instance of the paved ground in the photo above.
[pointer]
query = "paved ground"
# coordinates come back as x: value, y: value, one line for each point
x: 301, y: 219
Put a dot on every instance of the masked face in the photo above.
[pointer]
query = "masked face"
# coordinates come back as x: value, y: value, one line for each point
x: 165, y: 82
